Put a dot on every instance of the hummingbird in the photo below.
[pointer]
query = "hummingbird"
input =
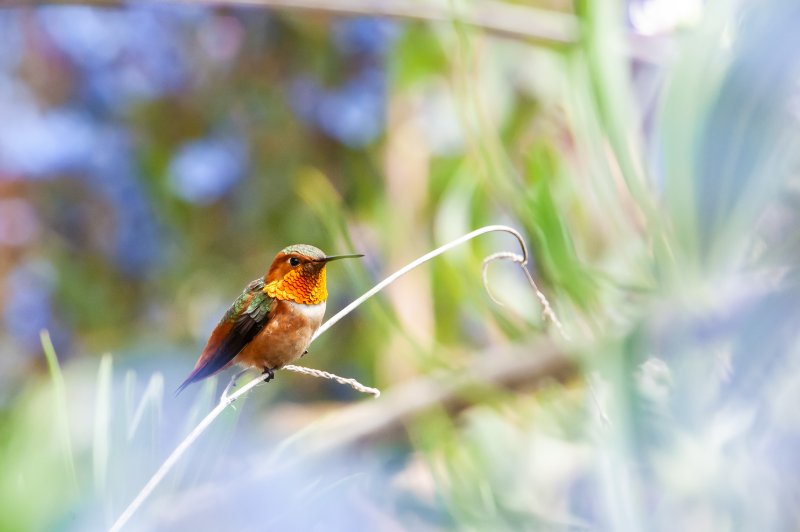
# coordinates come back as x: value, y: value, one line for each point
x: 271, y: 323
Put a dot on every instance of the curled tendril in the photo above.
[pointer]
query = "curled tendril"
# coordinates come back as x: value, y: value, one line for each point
x: 522, y: 262
x: 513, y: 257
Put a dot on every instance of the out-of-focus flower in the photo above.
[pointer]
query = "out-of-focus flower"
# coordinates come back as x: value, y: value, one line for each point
x: 135, y: 245
x: 88, y: 36
x: 203, y: 171
x: 364, y: 35
x: 155, y: 45
x: 19, y: 223
x: 10, y: 39
x: 304, y: 95
x: 352, y: 114
x: 221, y: 37
x: 40, y: 144
x: 27, y: 305
x: 126, y: 55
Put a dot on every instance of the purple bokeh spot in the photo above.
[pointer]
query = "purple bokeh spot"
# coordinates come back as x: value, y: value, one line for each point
x: 27, y: 306
x: 10, y: 39
x: 353, y: 114
x: 203, y: 171
x: 364, y: 35
x: 39, y: 144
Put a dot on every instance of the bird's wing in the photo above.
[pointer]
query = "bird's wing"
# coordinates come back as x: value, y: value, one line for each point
x: 241, y: 323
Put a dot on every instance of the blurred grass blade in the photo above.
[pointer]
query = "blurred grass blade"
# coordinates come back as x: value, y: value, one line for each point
x: 152, y: 400
x: 128, y: 391
x: 203, y: 402
x: 60, y: 403
x: 102, y: 423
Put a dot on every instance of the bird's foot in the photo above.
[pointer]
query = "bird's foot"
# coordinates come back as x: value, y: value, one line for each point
x: 269, y: 373
x: 304, y: 353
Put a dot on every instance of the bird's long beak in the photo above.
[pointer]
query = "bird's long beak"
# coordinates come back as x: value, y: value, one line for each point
x: 337, y: 257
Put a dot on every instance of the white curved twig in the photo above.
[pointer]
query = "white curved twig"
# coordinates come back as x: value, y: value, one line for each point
x: 411, y: 265
x: 547, y: 310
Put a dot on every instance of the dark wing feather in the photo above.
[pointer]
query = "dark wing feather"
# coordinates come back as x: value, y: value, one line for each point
x: 241, y: 323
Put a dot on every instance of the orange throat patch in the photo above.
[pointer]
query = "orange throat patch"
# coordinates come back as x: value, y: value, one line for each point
x: 300, y: 288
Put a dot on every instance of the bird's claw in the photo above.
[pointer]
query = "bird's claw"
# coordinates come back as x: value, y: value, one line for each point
x: 269, y: 373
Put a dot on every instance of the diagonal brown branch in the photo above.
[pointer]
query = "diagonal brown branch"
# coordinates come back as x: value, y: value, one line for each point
x: 499, y: 18
x: 502, y: 19
x: 515, y: 367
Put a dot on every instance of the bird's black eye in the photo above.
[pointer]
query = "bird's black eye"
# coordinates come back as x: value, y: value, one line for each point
x: 294, y: 261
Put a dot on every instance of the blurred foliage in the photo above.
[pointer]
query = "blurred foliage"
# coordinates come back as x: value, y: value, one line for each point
x: 154, y: 157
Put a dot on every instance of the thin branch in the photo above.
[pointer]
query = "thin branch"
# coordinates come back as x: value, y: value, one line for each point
x: 341, y: 380
x: 514, y: 367
x: 495, y: 17
x: 354, y: 384
x: 502, y: 19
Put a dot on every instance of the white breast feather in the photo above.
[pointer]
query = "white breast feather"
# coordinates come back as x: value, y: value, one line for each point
x: 310, y: 311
